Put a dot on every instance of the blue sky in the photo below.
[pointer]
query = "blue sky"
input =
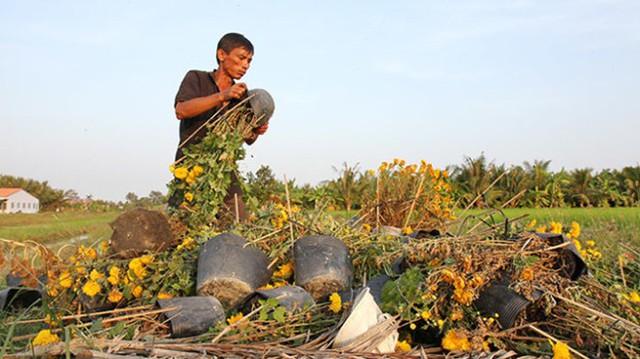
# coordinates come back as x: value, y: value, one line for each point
x: 87, y: 87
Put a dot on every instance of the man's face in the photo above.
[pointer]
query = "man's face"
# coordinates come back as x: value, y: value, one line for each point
x: 235, y: 63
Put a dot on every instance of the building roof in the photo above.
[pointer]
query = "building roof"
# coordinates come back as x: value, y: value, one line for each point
x: 6, y: 192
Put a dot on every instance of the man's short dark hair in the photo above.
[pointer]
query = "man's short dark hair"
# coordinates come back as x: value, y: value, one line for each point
x: 231, y: 41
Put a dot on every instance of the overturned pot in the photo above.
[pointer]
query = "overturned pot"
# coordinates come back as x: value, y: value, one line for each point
x: 291, y: 297
x: 192, y: 315
x: 322, y: 265
x: 230, y: 269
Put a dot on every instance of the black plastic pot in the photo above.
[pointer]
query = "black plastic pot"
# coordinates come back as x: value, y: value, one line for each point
x: 570, y: 264
x: 499, y: 299
x: 18, y: 298
x: 322, y: 265
x: 230, y: 269
x: 290, y: 297
x: 193, y: 315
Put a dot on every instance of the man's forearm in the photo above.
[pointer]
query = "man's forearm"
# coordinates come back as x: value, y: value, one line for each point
x: 196, y: 106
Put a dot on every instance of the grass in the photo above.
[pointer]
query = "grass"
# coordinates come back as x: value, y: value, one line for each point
x: 48, y: 227
x: 612, y: 229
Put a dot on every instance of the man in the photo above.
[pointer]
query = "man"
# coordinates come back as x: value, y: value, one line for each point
x: 202, y: 94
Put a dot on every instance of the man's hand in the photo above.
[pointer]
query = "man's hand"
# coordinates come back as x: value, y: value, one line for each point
x: 235, y: 92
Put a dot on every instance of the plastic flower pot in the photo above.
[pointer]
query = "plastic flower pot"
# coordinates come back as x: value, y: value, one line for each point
x: 570, y: 264
x: 499, y: 299
x: 18, y: 298
x: 230, y: 269
x: 192, y: 315
x: 291, y: 297
x: 322, y: 265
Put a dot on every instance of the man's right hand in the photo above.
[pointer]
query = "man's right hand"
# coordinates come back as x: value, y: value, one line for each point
x: 235, y: 92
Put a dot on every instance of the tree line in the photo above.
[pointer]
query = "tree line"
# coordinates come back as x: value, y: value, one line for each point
x: 476, y: 181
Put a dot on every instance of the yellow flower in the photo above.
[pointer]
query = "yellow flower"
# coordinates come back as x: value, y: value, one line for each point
x: 163, y: 295
x: 371, y: 172
x: 532, y: 224
x: 407, y: 230
x: 560, y: 350
x: 336, y: 302
x: 284, y: 271
x: 135, y: 266
x: 456, y: 340
x: 188, y: 196
x: 197, y: 170
x: 115, y: 296
x: 148, y: 259
x: 191, y: 178
x: 541, y: 229
x: 95, y: 275
x: 412, y: 326
x: 172, y: 168
x: 91, y: 288
x: 65, y: 280
x: 403, y: 347
x: 440, y: 323
x: 457, y: 315
x: 137, y: 291
x: 590, y: 243
x: 556, y: 227
x: 45, y: 337
x: 104, y: 246
x: 383, y: 167
x: 187, y: 243
x: 574, y: 232
x: 52, y: 291
x: 234, y: 318
x: 51, y: 321
x: 633, y: 297
x: 527, y: 274
x: 181, y: 173
x: 425, y: 315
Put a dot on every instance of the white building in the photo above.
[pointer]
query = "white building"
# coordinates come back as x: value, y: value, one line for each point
x: 14, y: 200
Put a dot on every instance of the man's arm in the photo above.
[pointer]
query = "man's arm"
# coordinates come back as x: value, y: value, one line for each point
x: 198, y: 105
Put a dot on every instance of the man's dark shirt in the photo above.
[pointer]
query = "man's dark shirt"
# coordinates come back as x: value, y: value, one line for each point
x: 195, y: 84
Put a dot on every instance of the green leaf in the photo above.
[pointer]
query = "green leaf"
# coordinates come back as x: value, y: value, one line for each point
x: 278, y: 314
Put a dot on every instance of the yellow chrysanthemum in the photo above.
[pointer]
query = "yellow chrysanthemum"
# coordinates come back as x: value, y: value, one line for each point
x: 104, y: 246
x: 65, y: 280
x: 403, y: 347
x: 590, y: 243
x: 197, y: 170
x: 181, y: 173
x: 91, y: 288
x: 45, y: 337
x: 148, y: 259
x: 541, y: 229
x: 172, y: 169
x: 425, y: 315
x: 284, y: 271
x: 188, y: 196
x: 51, y: 321
x: 556, y: 227
x: 532, y: 224
x: 407, y: 230
x: 456, y: 315
x: 187, y: 243
x: 335, y: 302
x: 561, y: 351
x: 164, y: 295
x: 633, y: 297
x: 371, y: 172
x: 137, y: 291
x: 456, y: 340
x: 115, y: 296
x: 527, y: 274
x: 95, y: 275
x: 574, y: 232
x: 52, y: 291
x: 234, y: 318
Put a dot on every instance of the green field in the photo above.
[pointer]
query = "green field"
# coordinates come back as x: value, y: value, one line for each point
x: 49, y: 227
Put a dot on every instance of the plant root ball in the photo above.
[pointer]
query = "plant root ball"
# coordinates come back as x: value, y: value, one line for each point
x: 140, y: 230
